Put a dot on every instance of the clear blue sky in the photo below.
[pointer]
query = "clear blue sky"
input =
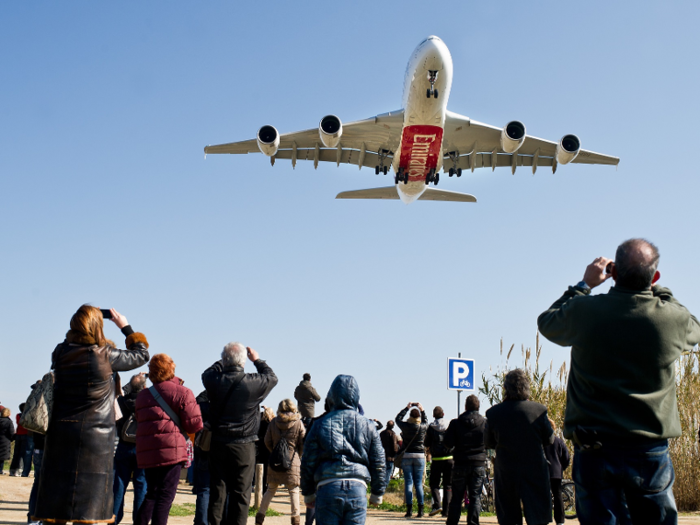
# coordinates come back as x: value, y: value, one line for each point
x: 105, y: 196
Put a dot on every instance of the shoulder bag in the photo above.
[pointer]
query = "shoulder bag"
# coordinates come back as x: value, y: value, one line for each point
x: 39, y: 406
x: 399, y: 457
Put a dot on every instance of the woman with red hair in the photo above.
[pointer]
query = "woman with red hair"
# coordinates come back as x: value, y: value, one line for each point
x: 77, y: 473
x: 161, y: 443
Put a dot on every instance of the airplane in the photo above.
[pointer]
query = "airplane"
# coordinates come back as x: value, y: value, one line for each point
x: 418, y: 141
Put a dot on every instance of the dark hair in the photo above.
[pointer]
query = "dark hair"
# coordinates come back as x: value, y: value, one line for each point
x: 390, y: 424
x: 307, y: 377
x: 516, y: 386
x: 472, y: 403
x: 438, y: 412
x: 636, y: 261
x: 21, y: 407
x: 415, y: 413
x: 138, y: 383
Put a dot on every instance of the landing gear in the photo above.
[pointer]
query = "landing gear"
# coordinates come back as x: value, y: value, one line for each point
x: 452, y: 172
x: 432, y: 78
x: 459, y: 172
x: 383, y: 154
x: 454, y: 157
x: 432, y: 177
x: 401, y: 176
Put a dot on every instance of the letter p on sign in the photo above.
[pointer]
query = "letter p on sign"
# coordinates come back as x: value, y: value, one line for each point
x: 460, y: 374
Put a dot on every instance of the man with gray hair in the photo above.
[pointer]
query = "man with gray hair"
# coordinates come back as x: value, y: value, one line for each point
x: 621, y: 396
x: 234, y: 398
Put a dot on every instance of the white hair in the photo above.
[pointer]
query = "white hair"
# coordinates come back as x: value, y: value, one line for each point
x: 234, y: 354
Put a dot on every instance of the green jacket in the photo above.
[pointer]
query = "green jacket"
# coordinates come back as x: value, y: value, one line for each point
x: 624, y: 347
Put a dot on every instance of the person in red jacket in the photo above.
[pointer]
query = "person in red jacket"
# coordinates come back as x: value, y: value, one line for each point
x: 161, y: 446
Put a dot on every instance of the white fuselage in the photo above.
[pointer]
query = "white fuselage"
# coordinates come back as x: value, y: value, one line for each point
x: 420, y: 149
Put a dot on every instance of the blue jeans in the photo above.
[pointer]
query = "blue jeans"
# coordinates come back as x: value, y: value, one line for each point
x: 38, y: 457
x: 341, y: 502
x: 201, y: 477
x: 389, y: 472
x: 27, y: 456
x: 624, y: 483
x: 413, y: 469
x: 124, y: 466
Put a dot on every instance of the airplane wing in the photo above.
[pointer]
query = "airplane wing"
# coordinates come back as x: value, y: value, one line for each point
x: 478, y: 145
x: 360, y: 144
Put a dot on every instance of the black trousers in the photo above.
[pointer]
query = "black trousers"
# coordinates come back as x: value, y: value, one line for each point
x: 231, y: 467
x: 559, y: 516
x: 466, y: 478
x: 441, y: 470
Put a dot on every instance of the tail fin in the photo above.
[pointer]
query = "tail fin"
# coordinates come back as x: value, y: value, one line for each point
x: 390, y: 192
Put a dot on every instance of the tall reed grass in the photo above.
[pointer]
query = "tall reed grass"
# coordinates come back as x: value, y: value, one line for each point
x: 548, y: 386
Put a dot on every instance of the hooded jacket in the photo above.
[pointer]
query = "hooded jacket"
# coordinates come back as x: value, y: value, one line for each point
x: 159, y: 441
x: 306, y: 397
x: 435, y: 439
x: 289, y: 426
x: 343, y: 444
x: 466, y: 436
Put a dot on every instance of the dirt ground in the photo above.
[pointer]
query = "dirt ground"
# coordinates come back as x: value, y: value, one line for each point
x: 14, y: 497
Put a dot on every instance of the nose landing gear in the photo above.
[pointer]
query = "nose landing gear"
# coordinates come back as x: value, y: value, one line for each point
x: 432, y: 78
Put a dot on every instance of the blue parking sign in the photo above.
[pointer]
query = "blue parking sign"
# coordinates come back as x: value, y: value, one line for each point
x: 460, y: 374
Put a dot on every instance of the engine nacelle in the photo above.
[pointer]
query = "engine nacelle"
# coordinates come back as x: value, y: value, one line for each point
x: 330, y: 129
x: 268, y: 140
x: 568, y: 149
x: 512, y: 136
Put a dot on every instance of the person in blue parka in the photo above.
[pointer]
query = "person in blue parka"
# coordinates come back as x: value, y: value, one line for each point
x: 343, y: 455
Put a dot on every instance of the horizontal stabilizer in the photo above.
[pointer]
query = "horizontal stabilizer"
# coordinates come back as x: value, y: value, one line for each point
x: 390, y: 192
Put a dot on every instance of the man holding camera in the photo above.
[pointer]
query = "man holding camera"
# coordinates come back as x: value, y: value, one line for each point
x: 621, y: 395
x: 234, y: 415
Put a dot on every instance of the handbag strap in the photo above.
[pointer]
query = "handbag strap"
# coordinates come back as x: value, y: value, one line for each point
x: 412, y: 440
x: 168, y: 410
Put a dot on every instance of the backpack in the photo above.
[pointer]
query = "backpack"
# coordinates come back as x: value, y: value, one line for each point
x: 438, y: 448
x: 128, y: 433
x: 282, y: 455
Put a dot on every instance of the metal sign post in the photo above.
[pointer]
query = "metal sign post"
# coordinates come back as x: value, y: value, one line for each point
x: 460, y: 376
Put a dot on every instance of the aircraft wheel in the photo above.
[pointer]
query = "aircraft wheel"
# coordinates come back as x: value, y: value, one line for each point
x: 376, y: 170
x: 427, y: 94
x: 459, y: 172
x: 405, y: 179
x: 452, y: 171
x: 386, y: 169
x: 396, y: 179
x: 436, y: 179
x: 435, y: 93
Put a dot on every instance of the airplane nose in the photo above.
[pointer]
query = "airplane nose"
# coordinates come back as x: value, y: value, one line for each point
x: 432, y: 55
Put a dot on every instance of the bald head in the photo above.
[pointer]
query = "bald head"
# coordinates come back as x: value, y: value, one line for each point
x: 636, y: 261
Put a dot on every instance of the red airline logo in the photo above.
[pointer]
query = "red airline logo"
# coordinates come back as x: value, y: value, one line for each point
x: 420, y: 148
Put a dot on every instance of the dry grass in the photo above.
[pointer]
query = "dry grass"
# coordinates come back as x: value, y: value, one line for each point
x: 549, y: 388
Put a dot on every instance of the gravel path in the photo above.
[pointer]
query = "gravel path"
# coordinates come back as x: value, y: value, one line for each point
x: 14, y: 495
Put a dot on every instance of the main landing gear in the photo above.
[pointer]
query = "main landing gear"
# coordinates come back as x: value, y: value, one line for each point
x: 433, y: 177
x: 401, y: 176
x: 432, y: 78
x: 381, y: 168
x: 454, y: 157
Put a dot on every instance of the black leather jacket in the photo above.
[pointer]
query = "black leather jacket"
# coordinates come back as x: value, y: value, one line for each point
x: 239, y: 420
x: 413, y: 434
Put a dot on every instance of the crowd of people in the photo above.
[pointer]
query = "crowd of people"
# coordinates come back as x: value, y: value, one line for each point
x: 621, y: 410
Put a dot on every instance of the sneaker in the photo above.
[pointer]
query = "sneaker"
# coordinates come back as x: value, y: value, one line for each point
x: 435, y: 511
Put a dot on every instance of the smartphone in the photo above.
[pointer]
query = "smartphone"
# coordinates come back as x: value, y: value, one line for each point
x: 106, y: 314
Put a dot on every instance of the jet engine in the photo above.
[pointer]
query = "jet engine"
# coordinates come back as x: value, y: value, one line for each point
x: 268, y: 140
x: 330, y: 129
x: 567, y: 149
x: 512, y: 136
